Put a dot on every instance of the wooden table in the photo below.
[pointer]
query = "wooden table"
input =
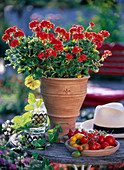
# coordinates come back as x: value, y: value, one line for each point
x: 59, y: 154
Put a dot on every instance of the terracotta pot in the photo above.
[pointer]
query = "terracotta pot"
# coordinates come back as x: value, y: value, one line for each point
x: 63, y: 98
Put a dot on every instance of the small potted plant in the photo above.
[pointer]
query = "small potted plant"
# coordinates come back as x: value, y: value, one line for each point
x: 62, y: 60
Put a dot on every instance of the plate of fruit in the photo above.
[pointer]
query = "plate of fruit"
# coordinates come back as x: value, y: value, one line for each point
x: 91, y: 143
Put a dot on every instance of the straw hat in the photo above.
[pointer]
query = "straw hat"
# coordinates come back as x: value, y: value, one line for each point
x: 108, y: 117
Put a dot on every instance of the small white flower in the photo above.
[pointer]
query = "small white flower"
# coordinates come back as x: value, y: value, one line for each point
x: 8, y: 121
x: 9, y: 129
x: 5, y: 133
x: 22, y: 157
x: 3, y: 126
x: 25, y: 154
x: 20, y: 136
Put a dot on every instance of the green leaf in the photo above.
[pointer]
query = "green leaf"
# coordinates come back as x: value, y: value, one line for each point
x: 35, y: 144
x: 40, y: 142
x: 22, y: 121
x: 35, y: 155
x: 48, y: 120
x: 38, y: 103
x: 31, y: 98
x: 29, y: 107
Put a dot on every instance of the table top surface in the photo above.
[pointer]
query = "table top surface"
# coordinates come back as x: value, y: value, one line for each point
x: 60, y: 154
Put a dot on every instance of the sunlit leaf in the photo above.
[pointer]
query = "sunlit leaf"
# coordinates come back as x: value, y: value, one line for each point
x: 48, y: 120
x: 38, y: 103
x: 31, y: 98
x: 29, y: 107
x: 22, y: 121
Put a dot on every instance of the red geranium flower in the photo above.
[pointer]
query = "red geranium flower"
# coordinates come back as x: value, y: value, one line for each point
x: 57, y: 30
x: 46, y: 24
x: 92, y: 24
x: 58, y: 47
x: 69, y: 56
x: 42, y: 35
x: 107, y: 53
x: 11, y: 30
x: 76, y: 29
x: 40, y: 55
x: 76, y: 49
x: 14, y: 43
x: 82, y: 57
x: 78, y: 36
x: 19, y: 33
x: 36, y: 29
x: 6, y: 37
x: 33, y: 24
x: 105, y: 33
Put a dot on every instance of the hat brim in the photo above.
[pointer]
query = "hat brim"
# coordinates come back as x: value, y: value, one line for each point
x: 88, y: 125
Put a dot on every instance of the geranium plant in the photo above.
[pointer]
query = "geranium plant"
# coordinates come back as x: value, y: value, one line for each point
x: 54, y: 52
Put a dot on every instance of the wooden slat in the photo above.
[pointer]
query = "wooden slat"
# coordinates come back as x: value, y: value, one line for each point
x: 114, y: 55
x: 113, y: 66
x: 114, y: 61
x: 112, y: 47
x: 110, y: 72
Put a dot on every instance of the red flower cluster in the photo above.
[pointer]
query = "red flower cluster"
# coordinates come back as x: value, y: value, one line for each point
x: 76, y: 49
x: 11, y: 30
x: 19, y: 33
x: 12, y: 33
x: 92, y: 24
x: 78, y: 36
x: 76, y: 31
x: 82, y: 57
x: 6, y: 37
x: 62, y: 33
x: 46, y: 24
x: 69, y: 56
x: 48, y: 52
x: 14, y: 43
x: 33, y: 24
x: 97, y: 39
x: 107, y: 53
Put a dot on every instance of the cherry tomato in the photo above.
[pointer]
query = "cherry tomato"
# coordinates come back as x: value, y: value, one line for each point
x: 101, y: 139
x: 93, y: 147
x: 90, y: 135
x: 96, y: 138
x: 83, y: 140
x: 84, y: 132
x: 76, y: 154
x: 98, y: 146
x: 110, y: 139
x: 92, y: 141
x: 96, y: 132
x: 76, y: 131
x: 104, y: 144
x: 70, y: 133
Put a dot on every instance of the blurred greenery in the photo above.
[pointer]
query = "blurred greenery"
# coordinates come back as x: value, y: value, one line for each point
x: 13, y: 93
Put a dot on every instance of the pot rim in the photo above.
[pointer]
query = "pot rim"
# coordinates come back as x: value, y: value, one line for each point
x: 52, y: 78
